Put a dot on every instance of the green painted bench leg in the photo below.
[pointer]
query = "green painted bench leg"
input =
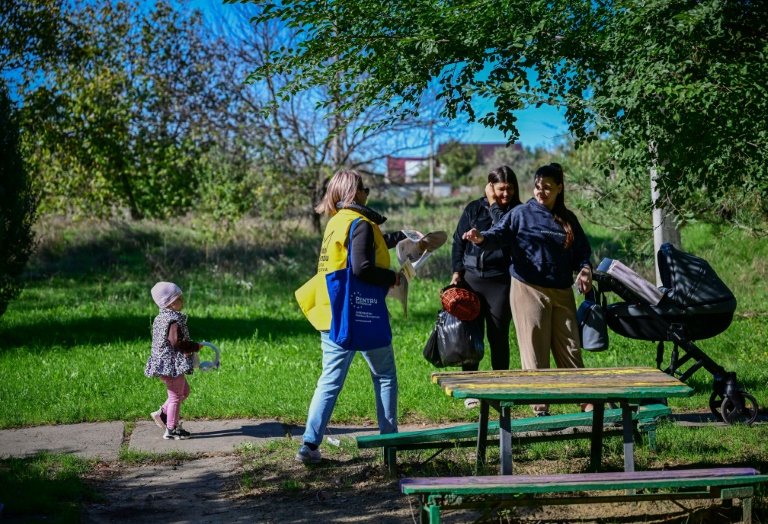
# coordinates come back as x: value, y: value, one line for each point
x: 746, y: 508
x: 596, y: 445
x: 430, y: 510
x: 651, y: 430
x: 390, y: 460
x: 482, y: 436
x: 744, y: 493
x: 434, y: 514
x: 423, y: 512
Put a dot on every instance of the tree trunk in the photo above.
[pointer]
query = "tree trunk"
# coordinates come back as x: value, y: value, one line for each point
x: 314, y: 223
x: 664, y: 223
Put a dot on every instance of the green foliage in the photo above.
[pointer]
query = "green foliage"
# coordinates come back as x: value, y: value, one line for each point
x: 458, y: 160
x: 613, y: 201
x: 125, y: 125
x: 31, y: 34
x: 683, y: 88
x: 142, y: 112
x: 17, y: 206
x: 678, y: 85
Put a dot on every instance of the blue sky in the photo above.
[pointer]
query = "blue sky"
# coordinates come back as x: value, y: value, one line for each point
x: 537, y: 126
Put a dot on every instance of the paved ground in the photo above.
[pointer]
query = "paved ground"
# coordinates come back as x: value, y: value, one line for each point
x: 103, y: 439
x: 206, y: 490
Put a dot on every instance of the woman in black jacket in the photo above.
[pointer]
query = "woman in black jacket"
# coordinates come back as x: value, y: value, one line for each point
x: 487, y: 272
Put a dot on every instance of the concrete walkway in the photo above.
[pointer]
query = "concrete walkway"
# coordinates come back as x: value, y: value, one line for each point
x: 103, y: 440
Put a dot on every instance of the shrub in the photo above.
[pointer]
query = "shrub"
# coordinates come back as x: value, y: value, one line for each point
x: 17, y: 206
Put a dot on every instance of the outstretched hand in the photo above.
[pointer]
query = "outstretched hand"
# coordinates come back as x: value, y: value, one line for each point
x: 474, y: 236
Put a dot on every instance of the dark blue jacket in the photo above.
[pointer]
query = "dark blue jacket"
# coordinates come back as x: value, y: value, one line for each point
x: 537, y: 242
x: 466, y: 256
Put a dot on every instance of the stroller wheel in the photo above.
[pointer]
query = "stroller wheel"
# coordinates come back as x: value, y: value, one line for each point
x: 715, y: 403
x: 733, y: 415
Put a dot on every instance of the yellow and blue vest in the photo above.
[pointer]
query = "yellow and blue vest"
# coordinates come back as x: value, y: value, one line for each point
x: 313, y: 296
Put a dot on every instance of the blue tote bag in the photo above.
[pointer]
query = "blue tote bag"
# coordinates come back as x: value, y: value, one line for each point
x: 359, y: 316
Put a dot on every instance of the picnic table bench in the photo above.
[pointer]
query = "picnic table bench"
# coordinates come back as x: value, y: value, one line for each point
x: 498, y: 491
x: 459, y: 436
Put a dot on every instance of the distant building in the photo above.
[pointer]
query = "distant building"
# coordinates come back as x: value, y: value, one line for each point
x: 403, y: 170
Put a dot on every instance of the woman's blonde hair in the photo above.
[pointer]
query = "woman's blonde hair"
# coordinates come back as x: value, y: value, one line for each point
x: 342, y: 188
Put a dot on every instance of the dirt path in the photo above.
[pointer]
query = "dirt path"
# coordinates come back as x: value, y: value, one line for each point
x: 270, y: 488
x: 207, y: 490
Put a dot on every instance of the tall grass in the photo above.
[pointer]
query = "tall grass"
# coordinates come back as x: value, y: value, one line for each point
x: 74, y: 346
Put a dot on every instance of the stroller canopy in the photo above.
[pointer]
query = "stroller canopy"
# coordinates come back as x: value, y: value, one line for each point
x: 694, y: 298
x: 691, y: 281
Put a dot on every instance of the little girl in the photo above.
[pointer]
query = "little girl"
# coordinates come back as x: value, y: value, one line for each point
x: 171, y: 357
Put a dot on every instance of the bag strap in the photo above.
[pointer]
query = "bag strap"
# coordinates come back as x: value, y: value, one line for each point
x: 349, y: 245
x: 596, y: 296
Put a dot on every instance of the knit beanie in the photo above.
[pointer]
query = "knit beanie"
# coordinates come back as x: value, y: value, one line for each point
x: 164, y: 293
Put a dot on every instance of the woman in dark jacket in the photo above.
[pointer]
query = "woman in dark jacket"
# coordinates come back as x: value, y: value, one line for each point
x: 487, y: 272
x: 548, y: 247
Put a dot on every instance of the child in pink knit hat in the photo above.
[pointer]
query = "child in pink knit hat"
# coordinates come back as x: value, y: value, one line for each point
x: 171, y: 357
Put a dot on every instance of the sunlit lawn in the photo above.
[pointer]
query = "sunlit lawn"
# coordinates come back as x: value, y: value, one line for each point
x: 74, y: 346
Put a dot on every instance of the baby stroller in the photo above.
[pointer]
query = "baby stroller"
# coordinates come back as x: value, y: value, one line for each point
x: 692, y: 304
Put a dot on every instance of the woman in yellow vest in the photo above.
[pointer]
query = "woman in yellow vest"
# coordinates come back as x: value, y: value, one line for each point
x: 344, y: 202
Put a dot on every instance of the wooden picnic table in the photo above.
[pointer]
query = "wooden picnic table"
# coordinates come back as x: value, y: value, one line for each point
x: 598, y: 386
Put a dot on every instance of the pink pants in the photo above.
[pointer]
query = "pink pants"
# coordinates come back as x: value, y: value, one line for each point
x: 178, y: 390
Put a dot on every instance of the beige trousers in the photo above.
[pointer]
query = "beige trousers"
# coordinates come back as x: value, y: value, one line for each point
x: 545, y: 319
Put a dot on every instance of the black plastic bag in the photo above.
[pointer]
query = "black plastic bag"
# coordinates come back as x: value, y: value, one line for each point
x: 430, y: 349
x: 458, y: 342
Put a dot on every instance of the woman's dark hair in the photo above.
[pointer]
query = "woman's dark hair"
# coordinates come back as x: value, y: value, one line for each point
x: 504, y: 174
x: 555, y: 172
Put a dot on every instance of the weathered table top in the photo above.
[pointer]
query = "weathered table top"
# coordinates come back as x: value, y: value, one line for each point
x: 553, y: 385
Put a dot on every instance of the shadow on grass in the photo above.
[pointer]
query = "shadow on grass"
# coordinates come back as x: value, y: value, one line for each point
x: 45, y: 487
x: 120, y: 250
x: 104, y: 330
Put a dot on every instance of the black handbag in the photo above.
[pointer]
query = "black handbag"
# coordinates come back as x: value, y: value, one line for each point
x: 593, y: 329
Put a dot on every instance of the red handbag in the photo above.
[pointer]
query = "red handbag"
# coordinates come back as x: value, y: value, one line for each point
x: 460, y: 302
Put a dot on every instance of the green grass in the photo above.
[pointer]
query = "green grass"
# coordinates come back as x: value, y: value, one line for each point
x: 45, y: 487
x: 73, y: 347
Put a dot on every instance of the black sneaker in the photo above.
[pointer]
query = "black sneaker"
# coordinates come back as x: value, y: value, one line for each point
x: 542, y: 414
x: 176, y: 434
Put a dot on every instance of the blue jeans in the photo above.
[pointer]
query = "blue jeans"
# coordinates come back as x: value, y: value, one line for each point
x: 336, y: 362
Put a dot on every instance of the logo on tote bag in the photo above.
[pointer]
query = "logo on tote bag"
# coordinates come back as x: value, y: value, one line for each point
x: 361, y: 301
